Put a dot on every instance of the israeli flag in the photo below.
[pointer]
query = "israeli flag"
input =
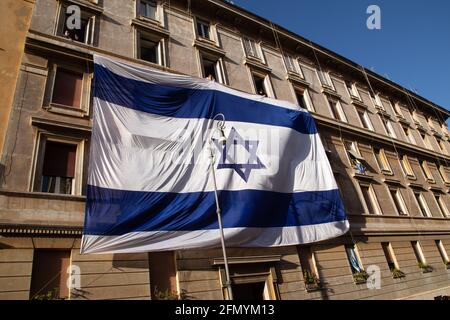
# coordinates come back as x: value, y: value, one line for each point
x: 151, y: 183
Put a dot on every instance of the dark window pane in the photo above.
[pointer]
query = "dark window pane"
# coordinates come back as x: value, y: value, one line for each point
x: 301, y: 99
x: 249, y: 291
x: 59, y: 168
x: 259, y: 84
x: 164, y: 278
x: 59, y: 159
x: 67, y: 88
x: 149, y: 50
x: 203, y: 30
x: 49, y: 274
x: 209, y: 68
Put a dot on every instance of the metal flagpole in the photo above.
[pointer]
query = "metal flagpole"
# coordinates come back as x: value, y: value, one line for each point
x: 222, y: 140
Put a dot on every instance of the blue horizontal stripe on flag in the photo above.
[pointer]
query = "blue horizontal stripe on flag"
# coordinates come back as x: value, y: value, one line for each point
x: 116, y: 212
x: 179, y: 102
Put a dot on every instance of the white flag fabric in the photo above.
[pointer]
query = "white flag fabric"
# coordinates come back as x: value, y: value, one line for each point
x: 150, y: 183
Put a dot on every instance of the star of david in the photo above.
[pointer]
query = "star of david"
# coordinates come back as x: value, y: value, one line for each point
x: 227, y: 162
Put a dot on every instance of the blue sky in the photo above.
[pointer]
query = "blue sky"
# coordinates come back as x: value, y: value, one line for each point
x: 412, y: 48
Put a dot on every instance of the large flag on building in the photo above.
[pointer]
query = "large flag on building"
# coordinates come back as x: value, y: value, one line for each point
x: 150, y: 183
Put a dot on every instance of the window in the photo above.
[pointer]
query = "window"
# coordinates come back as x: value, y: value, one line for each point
x: 59, y: 168
x: 203, y: 29
x: 390, y: 256
x: 325, y: 79
x: 67, y: 88
x: 442, y: 146
x: 396, y: 108
x: 303, y: 99
x: 261, y: 84
x: 255, y: 281
x: 292, y: 65
x: 422, y: 204
x: 364, y: 118
x: 212, y: 68
x: 58, y: 165
x: 376, y: 100
x: 418, y: 252
x: 354, y: 259
x: 352, y: 90
x: 250, y: 47
x: 425, y: 140
x: 389, y: 128
x: 370, y: 199
x: 83, y: 34
x: 426, y: 171
x: 148, y: 9
x: 49, y: 273
x: 354, y: 157
x: 441, y: 204
x: 406, y: 166
x: 442, y: 251
x: 443, y: 174
x: 308, y: 263
x: 150, y: 49
x: 249, y: 291
x: 382, y: 160
x: 336, y: 110
x: 163, y: 278
x: 398, y: 201
x: 408, y: 135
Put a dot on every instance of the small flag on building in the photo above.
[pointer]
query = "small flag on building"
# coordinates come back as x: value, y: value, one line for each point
x: 150, y: 183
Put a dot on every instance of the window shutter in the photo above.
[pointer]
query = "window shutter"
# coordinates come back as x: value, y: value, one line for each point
x: 67, y: 88
x: 59, y: 160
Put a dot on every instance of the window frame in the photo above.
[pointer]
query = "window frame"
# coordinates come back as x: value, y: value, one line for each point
x: 85, y: 99
x: 161, y: 50
x: 63, y: 276
x: 428, y: 175
x: 256, y: 49
x: 397, y: 109
x: 297, y: 69
x: 441, y: 143
x: 376, y: 100
x: 352, y: 90
x: 382, y: 161
x: 140, y: 15
x: 203, y: 22
x: 373, y: 198
x: 366, y: 123
x: 218, y: 66
x: 440, y: 203
x: 354, y: 248
x: 418, y: 252
x: 389, y: 254
x: 266, y: 82
x: 325, y: 79
x: 406, y: 166
x: 400, y: 201
x: 426, y: 140
x: 422, y: 204
x: 341, y: 114
x: 305, y: 95
x: 91, y: 27
x: 443, y: 174
x: 38, y: 160
x: 312, y: 267
x: 387, y: 124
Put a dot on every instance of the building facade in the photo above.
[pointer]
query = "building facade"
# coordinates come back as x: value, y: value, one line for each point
x: 388, y: 148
